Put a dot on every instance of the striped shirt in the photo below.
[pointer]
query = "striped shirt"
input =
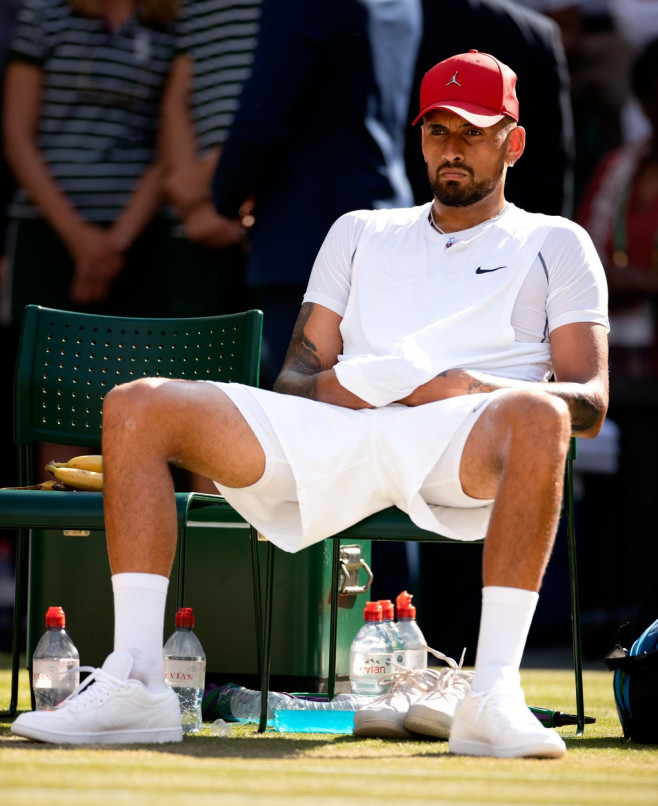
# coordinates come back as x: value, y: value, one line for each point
x: 100, y: 102
x: 220, y: 37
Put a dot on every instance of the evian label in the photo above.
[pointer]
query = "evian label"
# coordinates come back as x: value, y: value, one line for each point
x: 54, y: 673
x: 185, y: 673
x: 368, y: 667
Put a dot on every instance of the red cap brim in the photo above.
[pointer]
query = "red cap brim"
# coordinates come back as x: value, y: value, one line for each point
x: 477, y: 115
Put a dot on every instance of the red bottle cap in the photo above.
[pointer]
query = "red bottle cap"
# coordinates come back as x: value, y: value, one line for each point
x: 372, y: 611
x: 55, y: 617
x: 388, y: 611
x: 405, y: 608
x: 185, y: 617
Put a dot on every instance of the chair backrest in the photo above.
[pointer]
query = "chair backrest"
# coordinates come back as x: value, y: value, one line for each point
x: 68, y: 361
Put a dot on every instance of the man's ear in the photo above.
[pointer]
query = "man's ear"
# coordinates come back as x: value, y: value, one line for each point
x: 422, y: 140
x: 516, y: 144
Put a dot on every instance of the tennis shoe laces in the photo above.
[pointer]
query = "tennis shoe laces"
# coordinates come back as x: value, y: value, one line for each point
x: 433, y: 712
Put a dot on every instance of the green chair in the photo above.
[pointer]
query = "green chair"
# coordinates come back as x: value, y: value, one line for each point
x: 393, y: 524
x: 65, y: 365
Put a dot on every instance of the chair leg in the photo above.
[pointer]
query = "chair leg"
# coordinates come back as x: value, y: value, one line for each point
x: 19, y: 586
x: 266, y: 638
x: 575, y: 603
x: 180, y: 586
x: 258, y: 598
x: 333, y: 619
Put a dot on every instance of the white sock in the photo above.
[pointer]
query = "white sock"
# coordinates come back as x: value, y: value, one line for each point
x: 504, y: 625
x: 139, y: 607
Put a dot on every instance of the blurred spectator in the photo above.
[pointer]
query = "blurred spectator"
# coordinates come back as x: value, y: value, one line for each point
x: 637, y: 23
x: 206, y: 261
x: 83, y: 86
x: 82, y: 92
x: 620, y: 211
x: 599, y: 60
x: 531, y: 45
x: 320, y: 131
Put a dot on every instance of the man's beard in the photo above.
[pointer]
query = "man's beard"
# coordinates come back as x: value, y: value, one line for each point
x: 456, y: 194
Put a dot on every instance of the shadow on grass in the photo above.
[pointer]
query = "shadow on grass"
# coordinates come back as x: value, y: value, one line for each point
x: 272, y: 745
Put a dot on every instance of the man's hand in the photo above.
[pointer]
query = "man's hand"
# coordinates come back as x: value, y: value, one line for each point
x: 98, y: 261
x: 451, y: 383
x: 203, y: 224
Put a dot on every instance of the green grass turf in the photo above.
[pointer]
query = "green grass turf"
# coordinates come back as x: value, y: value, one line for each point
x: 298, y: 769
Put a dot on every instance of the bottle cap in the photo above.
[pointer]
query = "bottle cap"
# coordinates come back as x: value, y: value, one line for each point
x: 185, y: 617
x: 405, y: 608
x: 55, y: 617
x: 388, y: 611
x: 372, y: 611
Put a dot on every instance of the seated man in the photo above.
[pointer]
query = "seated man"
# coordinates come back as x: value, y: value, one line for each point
x: 417, y: 375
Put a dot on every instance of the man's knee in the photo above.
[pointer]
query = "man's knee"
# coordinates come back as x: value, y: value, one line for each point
x: 130, y: 402
x: 539, y: 422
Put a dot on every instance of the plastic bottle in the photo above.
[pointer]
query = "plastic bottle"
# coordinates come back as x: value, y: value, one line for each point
x: 397, y: 639
x: 372, y: 655
x: 413, y: 636
x: 185, y: 669
x: 236, y: 703
x: 54, y: 659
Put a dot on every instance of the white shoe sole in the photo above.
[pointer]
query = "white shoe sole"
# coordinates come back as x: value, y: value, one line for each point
x: 428, y: 722
x: 378, y: 726
x: 148, y: 736
x: 470, y: 747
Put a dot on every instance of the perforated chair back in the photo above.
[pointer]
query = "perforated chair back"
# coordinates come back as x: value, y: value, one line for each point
x: 68, y: 361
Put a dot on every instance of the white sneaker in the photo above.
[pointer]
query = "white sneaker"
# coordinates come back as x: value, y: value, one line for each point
x: 499, y: 723
x: 432, y: 713
x: 385, y: 716
x: 107, y: 708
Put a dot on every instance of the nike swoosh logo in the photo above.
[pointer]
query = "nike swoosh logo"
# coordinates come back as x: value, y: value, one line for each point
x: 480, y: 270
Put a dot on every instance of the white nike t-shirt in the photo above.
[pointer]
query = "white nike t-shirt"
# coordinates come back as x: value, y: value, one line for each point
x: 391, y: 276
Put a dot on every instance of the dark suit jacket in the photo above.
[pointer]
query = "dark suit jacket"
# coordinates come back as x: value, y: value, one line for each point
x: 530, y: 43
x: 321, y: 126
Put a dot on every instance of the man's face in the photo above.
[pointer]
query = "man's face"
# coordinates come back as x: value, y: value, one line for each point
x: 465, y: 163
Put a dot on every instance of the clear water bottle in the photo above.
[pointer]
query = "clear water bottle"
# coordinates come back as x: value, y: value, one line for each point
x: 372, y: 655
x: 388, y: 620
x: 185, y: 669
x: 54, y: 659
x: 413, y: 636
x: 239, y: 704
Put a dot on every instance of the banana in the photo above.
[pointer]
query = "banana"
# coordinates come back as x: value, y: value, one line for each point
x: 78, y: 478
x: 93, y: 462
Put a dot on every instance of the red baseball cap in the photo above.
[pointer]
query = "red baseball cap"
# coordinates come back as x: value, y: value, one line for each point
x: 474, y: 85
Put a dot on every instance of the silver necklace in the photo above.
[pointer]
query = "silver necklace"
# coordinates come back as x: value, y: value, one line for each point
x: 435, y: 226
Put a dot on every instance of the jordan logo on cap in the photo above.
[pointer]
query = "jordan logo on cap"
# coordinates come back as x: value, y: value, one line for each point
x: 453, y: 80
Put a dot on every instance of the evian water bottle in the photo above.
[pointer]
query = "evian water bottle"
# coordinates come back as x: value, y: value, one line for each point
x: 53, y: 659
x: 185, y: 669
x: 372, y: 655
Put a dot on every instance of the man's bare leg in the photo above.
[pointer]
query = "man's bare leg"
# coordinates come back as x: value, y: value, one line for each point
x: 146, y: 425
x: 516, y: 453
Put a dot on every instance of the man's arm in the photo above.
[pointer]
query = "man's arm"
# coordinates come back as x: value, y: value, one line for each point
x: 313, y: 352
x: 580, y: 366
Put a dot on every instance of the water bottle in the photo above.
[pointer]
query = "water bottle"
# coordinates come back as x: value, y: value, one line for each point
x: 372, y: 655
x: 185, y: 669
x: 397, y: 639
x: 411, y: 632
x: 310, y: 715
x: 235, y: 703
x: 54, y: 658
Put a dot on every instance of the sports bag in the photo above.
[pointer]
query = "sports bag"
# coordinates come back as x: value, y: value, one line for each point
x: 635, y: 686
